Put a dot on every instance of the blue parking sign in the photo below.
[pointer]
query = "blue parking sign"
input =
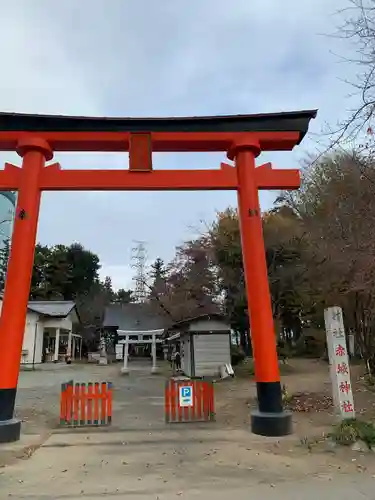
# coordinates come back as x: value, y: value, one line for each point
x: 185, y: 396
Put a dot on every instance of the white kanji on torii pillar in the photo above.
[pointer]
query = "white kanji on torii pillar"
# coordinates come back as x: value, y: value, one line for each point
x: 339, y: 363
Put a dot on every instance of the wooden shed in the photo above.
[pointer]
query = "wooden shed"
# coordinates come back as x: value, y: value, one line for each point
x: 204, y: 343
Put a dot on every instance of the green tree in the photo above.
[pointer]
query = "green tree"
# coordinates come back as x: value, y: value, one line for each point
x: 108, y: 289
x: 85, y: 266
x: 123, y: 296
x: 159, y: 278
x: 91, y: 307
x: 63, y: 271
x: 39, y: 278
x: 158, y: 269
x: 59, y: 274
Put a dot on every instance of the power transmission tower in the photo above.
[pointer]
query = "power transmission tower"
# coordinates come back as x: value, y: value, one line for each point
x: 139, y: 256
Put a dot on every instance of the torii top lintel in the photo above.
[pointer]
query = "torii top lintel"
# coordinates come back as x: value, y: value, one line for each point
x: 274, y: 131
x: 143, y: 136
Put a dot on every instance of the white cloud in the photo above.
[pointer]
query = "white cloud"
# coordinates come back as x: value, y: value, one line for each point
x: 162, y: 58
x: 122, y: 276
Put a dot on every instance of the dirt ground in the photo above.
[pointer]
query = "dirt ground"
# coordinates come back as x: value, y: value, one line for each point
x: 38, y: 394
x: 38, y: 403
x: 234, y: 399
x: 141, y: 454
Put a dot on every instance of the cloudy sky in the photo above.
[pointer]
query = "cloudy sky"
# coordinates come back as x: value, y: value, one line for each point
x: 163, y: 58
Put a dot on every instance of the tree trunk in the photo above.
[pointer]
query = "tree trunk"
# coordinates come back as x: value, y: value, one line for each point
x: 245, y: 342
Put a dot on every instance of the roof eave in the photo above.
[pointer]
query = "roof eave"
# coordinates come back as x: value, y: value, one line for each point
x: 59, y: 316
x: 290, y: 121
x: 200, y: 317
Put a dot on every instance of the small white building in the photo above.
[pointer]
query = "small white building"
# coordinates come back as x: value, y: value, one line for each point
x: 204, y: 344
x: 49, y: 333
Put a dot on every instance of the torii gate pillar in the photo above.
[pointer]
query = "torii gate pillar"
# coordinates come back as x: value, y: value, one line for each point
x: 34, y: 152
x: 269, y: 419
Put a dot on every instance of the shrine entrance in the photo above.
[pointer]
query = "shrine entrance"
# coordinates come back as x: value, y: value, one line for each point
x: 243, y: 137
x: 130, y: 338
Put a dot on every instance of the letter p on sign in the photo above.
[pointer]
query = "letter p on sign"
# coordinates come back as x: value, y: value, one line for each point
x: 185, y: 396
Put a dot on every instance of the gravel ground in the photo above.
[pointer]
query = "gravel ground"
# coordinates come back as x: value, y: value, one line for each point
x: 38, y: 394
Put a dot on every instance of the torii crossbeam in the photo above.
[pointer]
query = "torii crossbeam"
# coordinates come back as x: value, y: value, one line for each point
x: 242, y: 137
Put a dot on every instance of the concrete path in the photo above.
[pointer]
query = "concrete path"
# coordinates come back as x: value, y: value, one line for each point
x: 190, y: 463
x: 138, y: 399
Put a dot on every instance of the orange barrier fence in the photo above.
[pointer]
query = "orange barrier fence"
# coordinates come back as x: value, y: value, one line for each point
x: 189, y: 401
x: 85, y: 404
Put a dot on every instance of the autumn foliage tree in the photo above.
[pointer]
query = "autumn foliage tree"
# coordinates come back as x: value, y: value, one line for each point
x: 225, y: 247
x: 337, y: 208
x: 188, y: 286
x: 319, y: 249
x: 284, y: 244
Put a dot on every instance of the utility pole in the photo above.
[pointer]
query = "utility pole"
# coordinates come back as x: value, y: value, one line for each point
x: 139, y: 256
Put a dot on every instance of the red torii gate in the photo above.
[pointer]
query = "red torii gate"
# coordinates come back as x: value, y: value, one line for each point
x: 35, y: 138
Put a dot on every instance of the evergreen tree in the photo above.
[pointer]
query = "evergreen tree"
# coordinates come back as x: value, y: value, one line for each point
x: 124, y: 296
x: 159, y: 276
x: 63, y: 272
x: 158, y: 269
x: 108, y: 290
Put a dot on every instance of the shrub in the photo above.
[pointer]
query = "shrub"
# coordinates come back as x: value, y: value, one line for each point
x: 351, y: 430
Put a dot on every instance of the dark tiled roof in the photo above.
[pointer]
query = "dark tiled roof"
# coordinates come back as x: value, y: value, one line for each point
x: 202, y: 317
x: 135, y: 317
x: 53, y: 308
